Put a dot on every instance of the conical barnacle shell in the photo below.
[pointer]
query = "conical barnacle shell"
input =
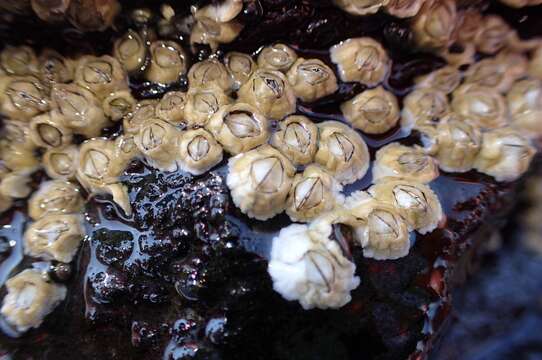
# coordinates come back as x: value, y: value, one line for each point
x: 18, y: 60
x: 311, y: 79
x: 143, y: 111
x: 61, y: 163
x: 259, y: 181
x: 131, y: 51
x: 222, y: 12
x: 157, y: 141
x: 497, y: 73
x: 198, y: 151
x: 47, y: 130
x: 493, y: 34
x: 342, y: 152
x: 22, y: 97
x: 54, y: 68
x: 30, y: 298
x: 15, y: 185
x: 277, y: 57
x: 202, y: 104
x: 404, y: 8
x: 212, y: 33
x: 360, y: 7
x: 468, y: 25
x: 167, y: 62
x: 423, y: 107
x: 55, y: 197
x: 361, y: 59
x: 482, y: 106
x: 434, y: 25
x: 458, y: 144
x: 239, y: 128
x: 171, y: 107
x: 297, y: 138
x: 240, y: 66
x: 16, y: 147
x: 17, y: 133
x: 210, y: 73
x: 100, y: 75
x: 525, y: 106
x: 118, y: 104
x: 445, y: 79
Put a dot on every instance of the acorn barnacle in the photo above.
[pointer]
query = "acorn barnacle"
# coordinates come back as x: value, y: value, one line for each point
x: 158, y: 142
x: 131, y: 51
x: 270, y: 93
x: 16, y: 185
x: 202, y: 104
x: 424, y: 107
x: 342, y: 151
x: 167, y: 62
x: 373, y: 111
x: 277, y: 57
x: 361, y: 7
x: 210, y: 73
x: 259, y: 181
x: 311, y: 79
x: 55, y: 197
x: 297, y: 138
x: 458, y: 144
x: 483, y: 106
x: 313, y: 193
x: 395, y: 160
x: 221, y: 12
x: 496, y: 73
x: 171, y: 107
x: 445, y: 79
x: 142, y: 111
x: 47, y: 130
x: 240, y: 66
x: 404, y: 8
x: 239, y: 128
x: 198, y: 151
x: 434, y: 25
x: 22, y: 97
x: 54, y: 68
x: 493, y: 34
x: 525, y: 106
x: 100, y: 75
x: 18, y: 60
x: 61, y: 163
x: 361, y: 59
x: 210, y: 32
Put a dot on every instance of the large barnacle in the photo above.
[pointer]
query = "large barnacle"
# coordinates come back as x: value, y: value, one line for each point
x: 100, y: 75
x: 167, y: 62
x: 16, y: 185
x: 458, y: 144
x: 158, y: 142
x: 277, y: 57
x: 19, y: 60
x: 53, y: 68
x: 342, y: 152
x: 93, y: 15
x: 504, y: 154
x: 493, y: 34
x: 374, y: 111
x: 404, y: 8
x: 416, y: 202
x: 308, y: 266
x: 297, y: 138
x: 239, y: 128
x: 313, y: 193
x: 198, y: 151
x: 270, y: 93
x: 202, y: 104
x: 525, y: 106
x: 434, y: 25
x: 61, y: 163
x: 535, y: 65
x: 445, y: 79
x: 143, y: 111
x: 22, y: 97
x: 361, y: 59
x: 208, y: 74
x: 311, y: 79
x: 483, y: 106
x: 212, y: 33
x: 55, y: 197
x: 17, y: 133
x: 240, y: 66
x: 221, y: 12
x: 118, y: 104
x: 259, y: 181
x: 47, y: 130
x: 360, y: 7
x: 395, y: 160
x: 131, y: 51
x: 30, y: 298
x: 171, y: 107
x: 424, y: 107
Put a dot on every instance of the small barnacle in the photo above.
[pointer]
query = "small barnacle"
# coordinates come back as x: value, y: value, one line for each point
x: 342, y: 151
x: 47, y: 130
x: 30, y: 298
x: 167, y: 62
x: 18, y: 60
x: 493, y: 34
x: 414, y: 201
x: 308, y: 266
x: 118, y: 104
x: 143, y: 111
x: 221, y: 12
x: 199, y: 151
x: 445, y: 79
x: 270, y: 93
x: 23, y: 97
x: 424, y: 107
x: 18, y: 158
x: 55, y: 197
x: 125, y: 149
x: 239, y: 128
x: 525, y: 106
x: 61, y: 163
x: 313, y: 193
x: 259, y: 181
x: 404, y: 8
x: 395, y: 160
x: 361, y: 7
x: 208, y: 74
x: 171, y: 107
x: 374, y: 111
x: 535, y: 64
x: 16, y: 185
x: 434, y: 25
x: 361, y: 59
x: 202, y: 104
x: 458, y: 144
x: 240, y: 66
x: 158, y: 142
x: 212, y: 33
x: 311, y: 79
x: 278, y: 57
x: 131, y: 51
x: 468, y: 26
x: 297, y: 138
x: 495, y: 74
x: 100, y: 75
x: 17, y: 133
x: 483, y: 106
x: 54, y: 68
x: 504, y: 154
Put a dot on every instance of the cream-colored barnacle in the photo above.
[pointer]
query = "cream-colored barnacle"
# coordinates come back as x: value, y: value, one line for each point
x: 489, y: 73
x: 199, y: 151
x: 278, y: 57
x: 445, y: 79
x: 307, y: 266
x: 210, y: 73
x: 167, y: 62
x: 259, y: 181
x: 131, y: 51
x: 78, y: 108
x: 468, y: 25
x: 424, y: 107
x: 374, y: 111
x: 18, y: 60
x: 158, y: 142
x: 171, y: 107
x: 202, y: 104
x: 311, y: 79
x: 18, y: 133
x: 505, y: 154
x: 125, y: 149
x: 47, y: 130
x: 535, y: 64
x: 360, y: 7
x: 143, y: 110
x: 342, y: 151
x: 525, y: 106
x: 313, y: 193
x: 297, y: 138
x: 221, y: 12
x: 207, y: 31
x: 493, y: 34
x: 239, y: 128
x: 396, y: 160
x: 30, y: 298
x: 434, y: 25
x: 404, y: 8
x: 240, y: 66
x: 23, y: 97
x: 416, y: 202
x: 54, y: 68
x: 100, y: 75
x: 270, y: 93
x: 55, y: 197
x: 361, y: 59
x: 483, y: 106
x: 61, y: 163
x: 458, y: 144
x: 16, y: 185
x: 118, y: 104
x: 17, y: 148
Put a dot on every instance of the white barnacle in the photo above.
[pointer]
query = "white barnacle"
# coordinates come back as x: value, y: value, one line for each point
x: 221, y: 12
x: 61, y: 163
x: 458, y: 144
x: 167, y: 62
x: 143, y: 110
x: 100, y: 75
x: 240, y: 66
x: 210, y: 32
x: 434, y: 25
x: 118, y: 104
x: 47, y: 130
x: 210, y: 73
x: 202, y: 104
x: 131, y: 51
x: 297, y: 138
x: 55, y: 197
x: 198, y: 151
x: 525, y: 106
x: 157, y: 141
x: 445, y: 79
x: 424, y: 107
x: 311, y: 79
x: 483, y: 106
x: 497, y: 73
x: 361, y: 7
x: 278, y: 57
